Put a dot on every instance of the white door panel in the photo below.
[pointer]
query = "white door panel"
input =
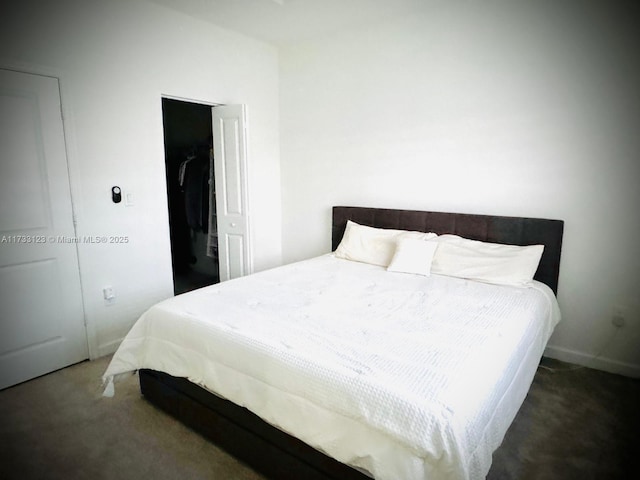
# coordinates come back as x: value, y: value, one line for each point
x: 19, y: 139
x: 41, y: 315
x: 230, y: 171
x: 235, y: 258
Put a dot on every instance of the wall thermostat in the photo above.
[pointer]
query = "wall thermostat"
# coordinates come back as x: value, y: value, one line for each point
x: 116, y: 194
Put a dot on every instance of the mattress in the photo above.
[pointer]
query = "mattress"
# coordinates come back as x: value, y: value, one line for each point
x: 397, y: 375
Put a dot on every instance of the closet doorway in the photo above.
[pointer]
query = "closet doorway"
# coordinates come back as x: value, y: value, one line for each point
x: 188, y: 144
x: 208, y: 209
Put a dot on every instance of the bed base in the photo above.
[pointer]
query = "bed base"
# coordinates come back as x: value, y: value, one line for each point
x: 244, y: 435
x: 278, y: 455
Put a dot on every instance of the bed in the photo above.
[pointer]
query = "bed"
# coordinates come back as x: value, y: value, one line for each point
x: 299, y: 391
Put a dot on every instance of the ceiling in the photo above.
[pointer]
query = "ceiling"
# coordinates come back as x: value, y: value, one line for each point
x: 283, y: 22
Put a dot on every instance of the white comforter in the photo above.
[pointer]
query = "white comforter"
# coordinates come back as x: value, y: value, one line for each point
x: 399, y: 375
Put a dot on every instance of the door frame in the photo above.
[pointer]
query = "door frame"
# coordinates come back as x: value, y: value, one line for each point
x: 247, y: 183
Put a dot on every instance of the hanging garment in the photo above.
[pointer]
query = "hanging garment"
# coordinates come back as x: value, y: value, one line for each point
x: 196, y: 193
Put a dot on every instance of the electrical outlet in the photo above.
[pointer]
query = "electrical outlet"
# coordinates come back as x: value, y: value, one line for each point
x: 109, y: 295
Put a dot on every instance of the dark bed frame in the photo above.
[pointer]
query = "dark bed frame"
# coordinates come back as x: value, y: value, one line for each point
x: 278, y: 455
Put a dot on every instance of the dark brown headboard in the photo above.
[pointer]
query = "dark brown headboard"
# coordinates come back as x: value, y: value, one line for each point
x: 487, y: 228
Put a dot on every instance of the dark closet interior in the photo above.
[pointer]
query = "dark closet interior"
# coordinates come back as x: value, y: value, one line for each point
x: 188, y: 152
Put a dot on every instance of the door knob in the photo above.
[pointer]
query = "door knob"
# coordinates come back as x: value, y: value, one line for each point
x: 232, y: 225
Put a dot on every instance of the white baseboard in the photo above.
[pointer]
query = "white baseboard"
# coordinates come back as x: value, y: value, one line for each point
x: 109, y: 348
x: 601, y: 363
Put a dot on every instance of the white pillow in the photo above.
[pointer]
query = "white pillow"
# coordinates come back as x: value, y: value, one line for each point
x: 373, y: 245
x: 486, y: 262
x: 413, y: 255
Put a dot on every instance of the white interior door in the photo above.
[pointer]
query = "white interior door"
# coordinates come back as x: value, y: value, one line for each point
x: 230, y: 173
x: 41, y: 314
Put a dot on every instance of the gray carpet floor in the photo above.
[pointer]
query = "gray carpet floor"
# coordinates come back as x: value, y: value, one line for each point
x: 574, y: 424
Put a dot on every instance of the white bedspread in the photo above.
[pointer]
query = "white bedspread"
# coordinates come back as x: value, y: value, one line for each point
x: 400, y: 375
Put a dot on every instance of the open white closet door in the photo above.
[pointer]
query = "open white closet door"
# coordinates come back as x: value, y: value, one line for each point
x: 230, y: 173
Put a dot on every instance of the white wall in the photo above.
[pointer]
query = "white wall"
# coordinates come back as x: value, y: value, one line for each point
x: 116, y: 59
x: 507, y: 108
